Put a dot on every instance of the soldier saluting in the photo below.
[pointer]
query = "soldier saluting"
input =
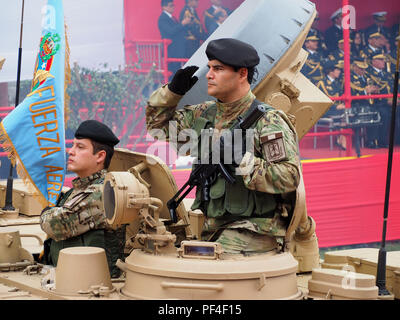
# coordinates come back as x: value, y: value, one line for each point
x: 249, y: 215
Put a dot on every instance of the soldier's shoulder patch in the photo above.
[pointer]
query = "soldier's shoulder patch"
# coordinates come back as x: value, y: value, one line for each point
x: 72, y: 202
x: 274, y: 146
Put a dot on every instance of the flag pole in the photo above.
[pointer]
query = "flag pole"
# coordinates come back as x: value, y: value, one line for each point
x: 381, y: 265
x: 8, y: 200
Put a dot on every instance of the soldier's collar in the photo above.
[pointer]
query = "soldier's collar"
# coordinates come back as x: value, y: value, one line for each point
x: 84, y: 182
x: 232, y: 106
x: 377, y: 70
x: 372, y: 47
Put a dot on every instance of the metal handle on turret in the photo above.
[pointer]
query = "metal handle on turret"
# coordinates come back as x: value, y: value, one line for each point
x: 199, y: 286
x: 33, y: 236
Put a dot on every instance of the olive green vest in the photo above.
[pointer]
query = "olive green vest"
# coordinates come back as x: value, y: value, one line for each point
x: 231, y: 199
x: 112, y: 241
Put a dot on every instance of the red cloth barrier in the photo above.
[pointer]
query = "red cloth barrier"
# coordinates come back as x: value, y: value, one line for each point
x: 346, y: 199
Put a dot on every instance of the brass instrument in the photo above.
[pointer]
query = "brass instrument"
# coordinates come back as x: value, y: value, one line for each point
x: 189, y: 14
x: 193, y: 21
x: 370, y: 83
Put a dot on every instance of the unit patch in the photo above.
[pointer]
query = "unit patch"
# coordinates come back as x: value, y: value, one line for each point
x: 274, y: 147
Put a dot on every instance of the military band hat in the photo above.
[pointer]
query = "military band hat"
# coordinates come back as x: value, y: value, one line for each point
x: 341, y: 41
x: 380, y: 16
x: 379, y: 56
x: 233, y: 52
x: 375, y: 35
x: 336, y: 13
x: 312, y: 35
x: 96, y: 131
x: 360, y: 62
x: 312, y: 38
x: 330, y: 66
x: 339, y: 64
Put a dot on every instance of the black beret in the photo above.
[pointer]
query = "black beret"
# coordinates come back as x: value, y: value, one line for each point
x: 96, y: 131
x: 233, y: 52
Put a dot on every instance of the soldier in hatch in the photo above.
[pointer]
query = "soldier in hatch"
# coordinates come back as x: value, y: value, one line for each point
x: 252, y: 214
x: 78, y: 219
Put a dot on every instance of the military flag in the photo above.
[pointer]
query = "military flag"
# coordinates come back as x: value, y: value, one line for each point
x: 34, y: 132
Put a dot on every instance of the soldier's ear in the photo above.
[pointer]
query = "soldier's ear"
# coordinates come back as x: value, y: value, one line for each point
x: 101, y: 156
x: 243, y: 73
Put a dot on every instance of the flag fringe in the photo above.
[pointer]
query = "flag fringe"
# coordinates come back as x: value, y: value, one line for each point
x: 67, y: 78
x: 21, y: 171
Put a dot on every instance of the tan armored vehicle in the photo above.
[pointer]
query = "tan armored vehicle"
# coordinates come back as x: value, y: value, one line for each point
x: 166, y: 259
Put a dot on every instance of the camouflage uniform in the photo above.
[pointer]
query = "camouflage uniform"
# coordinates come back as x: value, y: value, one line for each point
x: 270, y: 179
x: 79, y: 220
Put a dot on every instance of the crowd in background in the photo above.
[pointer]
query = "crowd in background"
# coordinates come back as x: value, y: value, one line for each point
x: 189, y: 31
x: 372, y: 58
x: 373, y: 52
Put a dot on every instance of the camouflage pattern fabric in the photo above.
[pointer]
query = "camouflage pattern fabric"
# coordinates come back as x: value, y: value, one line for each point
x: 80, y: 212
x: 243, y: 241
x: 271, y: 177
x: 250, y: 235
x: 276, y: 161
x: 79, y: 220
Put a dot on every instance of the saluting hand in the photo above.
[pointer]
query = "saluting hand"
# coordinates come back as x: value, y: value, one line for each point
x: 183, y: 80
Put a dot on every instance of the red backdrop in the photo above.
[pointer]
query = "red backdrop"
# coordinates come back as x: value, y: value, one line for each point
x: 363, y: 11
x: 141, y: 16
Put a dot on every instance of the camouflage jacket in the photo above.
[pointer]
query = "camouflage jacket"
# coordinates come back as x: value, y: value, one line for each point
x: 81, y: 211
x: 269, y: 176
x: 274, y: 176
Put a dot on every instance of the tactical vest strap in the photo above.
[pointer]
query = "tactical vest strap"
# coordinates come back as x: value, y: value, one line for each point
x: 233, y: 199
